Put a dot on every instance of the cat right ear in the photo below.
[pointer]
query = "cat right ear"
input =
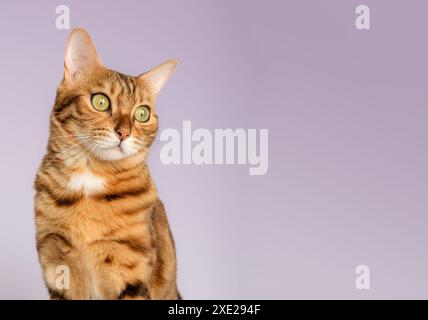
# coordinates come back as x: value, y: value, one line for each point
x: 80, y: 54
x: 157, y: 77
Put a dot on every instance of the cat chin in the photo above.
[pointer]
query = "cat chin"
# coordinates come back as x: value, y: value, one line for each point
x: 111, y: 151
x: 112, y: 154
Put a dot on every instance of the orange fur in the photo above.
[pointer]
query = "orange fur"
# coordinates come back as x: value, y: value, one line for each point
x: 102, y: 218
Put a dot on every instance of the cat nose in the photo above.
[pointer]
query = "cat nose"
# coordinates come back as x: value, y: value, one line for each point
x: 122, y: 132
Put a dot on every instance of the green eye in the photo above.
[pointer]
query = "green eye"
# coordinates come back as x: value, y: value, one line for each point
x: 100, y: 102
x: 142, y: 114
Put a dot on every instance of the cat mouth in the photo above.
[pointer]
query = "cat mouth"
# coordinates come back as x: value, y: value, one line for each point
x: 115, y: 151
x: 111, y: 153
x: 117, y: 147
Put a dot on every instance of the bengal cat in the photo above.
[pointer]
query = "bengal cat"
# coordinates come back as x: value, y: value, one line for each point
x: 97, y: 210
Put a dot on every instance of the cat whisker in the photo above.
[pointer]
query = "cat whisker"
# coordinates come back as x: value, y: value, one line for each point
x: 91, y: 154
x: 81, y: 141
x: 84, y: 152
x: 74, y: 145
x: 66, y: 150
x: 142, y: 167
x: 69, y: 136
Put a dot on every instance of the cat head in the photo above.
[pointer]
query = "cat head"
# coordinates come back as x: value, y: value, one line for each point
x: 110, y: 115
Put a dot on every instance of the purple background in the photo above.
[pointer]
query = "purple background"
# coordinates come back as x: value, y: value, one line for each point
x: 347, y: 117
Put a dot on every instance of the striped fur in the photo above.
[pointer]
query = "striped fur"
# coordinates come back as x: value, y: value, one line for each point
x: 102, y: 219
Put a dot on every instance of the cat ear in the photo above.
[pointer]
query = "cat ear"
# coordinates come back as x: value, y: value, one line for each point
x: 157, y: 77
x: 80, y: 54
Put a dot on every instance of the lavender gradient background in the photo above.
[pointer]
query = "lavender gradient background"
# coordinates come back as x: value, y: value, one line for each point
x: 347, y: 117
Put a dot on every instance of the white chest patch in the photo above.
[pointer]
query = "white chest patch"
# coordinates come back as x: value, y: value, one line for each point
x: 86, y: 182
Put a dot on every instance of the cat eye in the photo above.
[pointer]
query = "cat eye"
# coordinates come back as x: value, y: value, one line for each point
x: 100, y: 102
x: 142, y: 114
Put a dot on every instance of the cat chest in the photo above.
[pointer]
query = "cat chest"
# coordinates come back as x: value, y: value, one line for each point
x: 92, y: 207
x: 93, y: 219
x: 86, y: 182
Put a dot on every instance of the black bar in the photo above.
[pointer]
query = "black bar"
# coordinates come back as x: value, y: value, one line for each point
x: 212, y: 309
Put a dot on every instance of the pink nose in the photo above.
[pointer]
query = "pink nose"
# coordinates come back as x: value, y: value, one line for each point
x: 122, y: 133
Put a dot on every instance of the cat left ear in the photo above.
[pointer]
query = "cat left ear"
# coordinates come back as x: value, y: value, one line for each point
x: 156, y: 78
x: 80, y: 54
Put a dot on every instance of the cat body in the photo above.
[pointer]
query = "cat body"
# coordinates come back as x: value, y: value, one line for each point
x: 101, y: 229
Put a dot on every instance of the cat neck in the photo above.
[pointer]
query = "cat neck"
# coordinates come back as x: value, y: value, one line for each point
x: 111, y: 167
